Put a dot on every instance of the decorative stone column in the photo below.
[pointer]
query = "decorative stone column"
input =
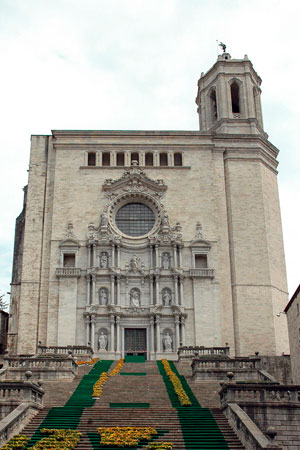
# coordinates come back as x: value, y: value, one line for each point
x: 89, y: 256
x: 94, y: 255
x: 151, y: 290
x: 127, y: 159
x: 118, y: 321
x: 151, y: 257
x: 93, y: 289
x: 179, y: 255
x: 175, y: 254
x: 93, y: 323
x: 152, y: 349
x: 98, y: 158
x: 142, y: 158
x: 177, y: 341
x: 181, y: 290
x: 88, y: 296
x: 118, y: 290
x: 158, y: 343
x: 87, y: 328
x: 112, y: 289
x: 170, y: 159
x: 183, y: 330
x: 157, y: 289
x: 156, y: 256
x: 176, y: 289
x: 113, y: 255
x: 112, y: 333
x: 118, y: 255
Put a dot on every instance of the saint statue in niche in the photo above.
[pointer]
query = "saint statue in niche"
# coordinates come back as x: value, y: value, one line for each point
x: 165, y: 260
x: 135, y: 298
x: 167, y: 341
x: 103, y: 260
x: 103, y: 297
x: 166, y: 297
x: 102, y: 343
x: 103, y: 220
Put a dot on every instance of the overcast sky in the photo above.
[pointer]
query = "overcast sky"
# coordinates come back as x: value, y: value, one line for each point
x: 134, y: 64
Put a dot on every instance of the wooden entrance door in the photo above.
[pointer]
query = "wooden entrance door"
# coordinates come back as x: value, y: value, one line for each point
x: 135, y: 341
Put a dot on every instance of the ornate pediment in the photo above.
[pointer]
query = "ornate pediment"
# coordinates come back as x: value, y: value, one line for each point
x: 133, y: 180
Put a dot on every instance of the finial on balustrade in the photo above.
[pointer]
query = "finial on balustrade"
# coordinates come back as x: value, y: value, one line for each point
x: 28, y: 374
x: 272, y: 433
x: 230, y: 376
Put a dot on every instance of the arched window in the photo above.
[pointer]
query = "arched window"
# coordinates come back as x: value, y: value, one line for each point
x: 163, y: 159
x: 91, y: 159
x: 106, y: 159
x: 149, y: 159
x: 177, y: 159
x: 213, y: 105
x: 134, y: 157
x: 235, y: 97
x: 120, y: 159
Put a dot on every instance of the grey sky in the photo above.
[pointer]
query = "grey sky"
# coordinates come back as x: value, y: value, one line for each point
x: 134, y: 64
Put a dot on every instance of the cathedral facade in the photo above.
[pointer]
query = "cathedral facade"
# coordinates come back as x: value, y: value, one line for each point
x: 138, y: 242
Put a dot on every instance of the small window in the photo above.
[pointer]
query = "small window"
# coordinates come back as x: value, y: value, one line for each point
x: 69, y: 259
x: 297, y: 309
x: 91, y: 159
x: 149, y: 159
x: 177, y: 159
x: 163, y: 159
x: 213, y: 105
x: 200, y: 261
x: 106, y: 159
x: 235, y: 98
x: 134, y: 157
x: 120, y: 159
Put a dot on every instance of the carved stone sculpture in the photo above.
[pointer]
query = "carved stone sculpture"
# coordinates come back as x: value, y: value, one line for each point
x: 103, y: 297
x: 166, y: 297
x: 135, y: 298
x: 104, y: 220
x: 103, y: 260
x: 102, y: 343
x: 167, y: 342
x: 165, y: 260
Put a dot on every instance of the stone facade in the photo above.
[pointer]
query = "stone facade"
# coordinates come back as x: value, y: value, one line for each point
x: 292, y: 311
x: 208, y: 271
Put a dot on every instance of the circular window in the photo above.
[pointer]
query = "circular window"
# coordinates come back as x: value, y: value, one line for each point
x: 135, y: 219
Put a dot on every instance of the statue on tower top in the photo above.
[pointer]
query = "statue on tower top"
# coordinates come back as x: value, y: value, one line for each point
x: 223, y: 46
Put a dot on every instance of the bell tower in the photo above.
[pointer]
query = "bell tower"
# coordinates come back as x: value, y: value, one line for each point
x: 228, y: 97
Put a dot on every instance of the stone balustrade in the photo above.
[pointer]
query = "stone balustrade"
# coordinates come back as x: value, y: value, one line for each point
x: 17, y: 391
x: 263, y: 393
x: 202, y: 273
x: 190, y: 352
x: 68, y: 272
x: 45, y: 367
x: 226, y: 363
x: 76, y: 350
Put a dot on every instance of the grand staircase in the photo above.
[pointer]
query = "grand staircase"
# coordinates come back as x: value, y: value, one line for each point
x: 140, y: 395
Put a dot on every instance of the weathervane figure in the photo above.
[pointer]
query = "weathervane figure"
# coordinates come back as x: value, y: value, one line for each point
x: 223, y: 46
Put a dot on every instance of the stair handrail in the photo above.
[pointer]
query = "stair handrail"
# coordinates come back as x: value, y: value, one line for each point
x: 246, y: 430
x: 16, y: 420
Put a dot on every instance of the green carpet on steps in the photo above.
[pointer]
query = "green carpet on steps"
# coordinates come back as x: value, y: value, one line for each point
x: 136, y: 374
x: 95, y: 441
x: 135, y: 359
x: 198, y: 426
x: 129, y: 405
x: 69, y: 415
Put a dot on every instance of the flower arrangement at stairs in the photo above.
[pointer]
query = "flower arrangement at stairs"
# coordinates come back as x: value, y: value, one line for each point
x: 160, y: 446
x: 58, y: 440
x: 124, y: 436
x: 90, y: 363
x: 18, y: 442
x: 180, y: 392
x: 97, y: 388
x: 117, y: 369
